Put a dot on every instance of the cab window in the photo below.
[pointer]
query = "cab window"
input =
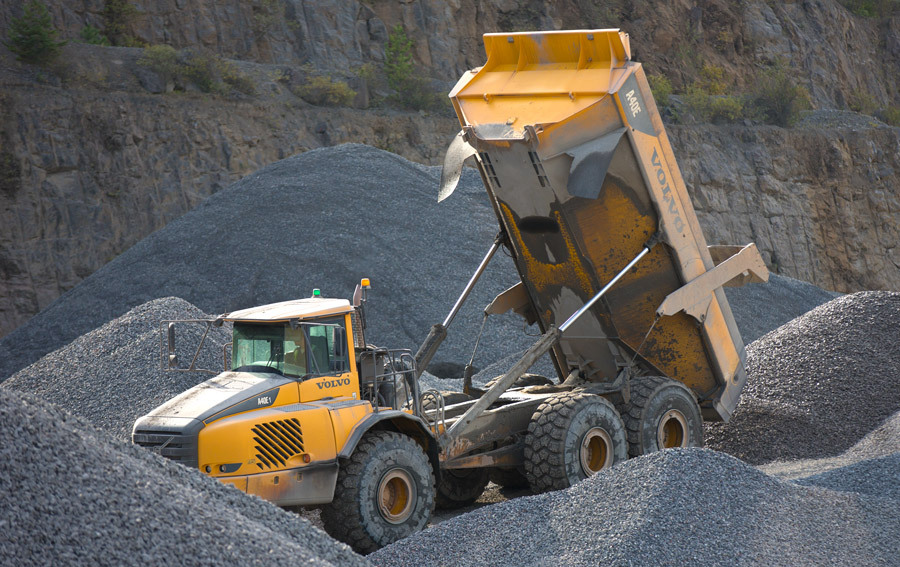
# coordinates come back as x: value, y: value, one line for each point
x: 309, y: 348
x: 328, y: 346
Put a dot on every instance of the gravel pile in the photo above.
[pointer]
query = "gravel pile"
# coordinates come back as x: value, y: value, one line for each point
x: 113, y: 375
x: 875, y: 477
x: 760, y: 308
x: 677, y: 507
x: 818, y: 384
x: 70, y: 495
x: 321, y: 219
x: 324, y: 219
x: 883, y: 441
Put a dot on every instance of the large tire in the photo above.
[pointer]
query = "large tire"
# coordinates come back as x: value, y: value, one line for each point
x: 662, y: 414
x: 384, y: 492
x: 572, y: 436
x: 460, y: 487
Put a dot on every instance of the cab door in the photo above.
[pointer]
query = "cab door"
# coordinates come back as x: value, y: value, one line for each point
x: 322, y: 345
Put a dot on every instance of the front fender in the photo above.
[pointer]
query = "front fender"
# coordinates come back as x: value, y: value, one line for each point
x: 401, y: 422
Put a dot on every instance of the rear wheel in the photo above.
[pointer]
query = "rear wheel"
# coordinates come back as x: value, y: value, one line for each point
x: 571, y: 437
x: 384, y: 493
x: 662, y: 414
x: 460, y: 487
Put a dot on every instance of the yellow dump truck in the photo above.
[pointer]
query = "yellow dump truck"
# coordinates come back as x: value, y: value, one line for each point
x: 614, y: 271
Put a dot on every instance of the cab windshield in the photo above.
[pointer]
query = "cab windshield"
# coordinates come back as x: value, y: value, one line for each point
x: 318, y: 348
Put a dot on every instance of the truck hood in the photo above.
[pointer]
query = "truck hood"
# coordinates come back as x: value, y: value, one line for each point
x: 226, y: 394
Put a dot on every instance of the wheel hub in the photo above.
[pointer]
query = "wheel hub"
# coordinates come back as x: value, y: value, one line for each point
x: 596, y: 451
x: 396, y: 496
x: 672, y: 430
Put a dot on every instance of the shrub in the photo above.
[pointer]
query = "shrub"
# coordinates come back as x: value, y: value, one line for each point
x: 90, y: 34
x: 208, y: 72
x: 162, y: 59
x: 776, y: 99
x: 725, y: 108
x: 322, y: 90
x: 32, y: 37
x: 712, y: 79
x: 234, y: 78
x: 718, y: 108
x: 862, y: 102
x: 890, y: 115
x: 872, y: 8
x: 661, y: 89
x: 202, y: 70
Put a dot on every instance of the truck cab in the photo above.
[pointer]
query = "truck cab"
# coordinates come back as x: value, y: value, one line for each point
x: 290, y: 403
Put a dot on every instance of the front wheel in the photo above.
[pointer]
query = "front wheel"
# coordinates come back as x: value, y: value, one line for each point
x: 384, y: 493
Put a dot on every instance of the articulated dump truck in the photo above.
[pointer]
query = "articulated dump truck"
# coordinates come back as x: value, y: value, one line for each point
x: 615, y: 272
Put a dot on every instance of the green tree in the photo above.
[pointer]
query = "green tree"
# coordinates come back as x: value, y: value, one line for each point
x: 90, y: 34
x: 32, y: 37
x: 411, y: 88
x: 398, y: 65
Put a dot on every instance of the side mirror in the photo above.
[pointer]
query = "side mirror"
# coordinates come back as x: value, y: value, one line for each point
x: 173, y: 358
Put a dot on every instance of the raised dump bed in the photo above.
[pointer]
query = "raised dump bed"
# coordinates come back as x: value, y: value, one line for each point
x: 580, y: 172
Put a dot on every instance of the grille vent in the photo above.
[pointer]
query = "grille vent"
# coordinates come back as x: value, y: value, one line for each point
x: 178, y: 446
x: 276, y: 442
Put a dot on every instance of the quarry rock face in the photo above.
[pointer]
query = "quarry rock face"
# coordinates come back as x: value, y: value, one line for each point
x: 820, y: 202
x: 96, y: 153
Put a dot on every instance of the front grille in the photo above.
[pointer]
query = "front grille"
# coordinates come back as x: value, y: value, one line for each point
x: 179, y: 447
x: 277, y: 441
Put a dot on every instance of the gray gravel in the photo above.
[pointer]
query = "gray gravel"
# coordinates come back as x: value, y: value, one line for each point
x: 112, y: 375
x: 882, y: 442
x: 760, y: 308
x: 876, y: 477
x: 322, y: 219
x: 70, y: 495
x: 677, y: 507
x: 818, y: 384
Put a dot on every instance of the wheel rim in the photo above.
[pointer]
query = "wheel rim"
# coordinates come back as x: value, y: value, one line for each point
x: 672, y: 430
x: 396, y: 495
x: 596, y: 451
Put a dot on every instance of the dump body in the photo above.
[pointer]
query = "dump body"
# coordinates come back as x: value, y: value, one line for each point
x: 581, y: 175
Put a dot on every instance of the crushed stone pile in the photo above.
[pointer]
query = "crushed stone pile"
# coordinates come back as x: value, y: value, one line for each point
x: 324, y: 219
x: 760, y: 308
x: 70, y: 495
x: 113, y: 375
x: 676, y: 507
x: 880, y: 442
x: 875, y: 477
x: 818, y: 384
x: 884, y: 441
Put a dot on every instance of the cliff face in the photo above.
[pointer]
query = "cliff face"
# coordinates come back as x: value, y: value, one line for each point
x: 91, y: 161
x: 821, y: 202
x: 835, y: 54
